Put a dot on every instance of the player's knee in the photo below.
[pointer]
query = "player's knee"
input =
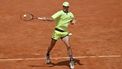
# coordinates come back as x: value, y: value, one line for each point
x: 68, y: 48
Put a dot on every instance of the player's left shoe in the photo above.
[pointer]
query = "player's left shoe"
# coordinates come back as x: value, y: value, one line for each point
x: 72, y: 64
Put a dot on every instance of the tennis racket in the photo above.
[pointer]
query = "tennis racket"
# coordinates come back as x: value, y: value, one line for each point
x: 28, y: 16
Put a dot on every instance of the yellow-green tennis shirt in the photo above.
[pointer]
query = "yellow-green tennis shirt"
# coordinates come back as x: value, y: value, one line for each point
x: 62, y: 19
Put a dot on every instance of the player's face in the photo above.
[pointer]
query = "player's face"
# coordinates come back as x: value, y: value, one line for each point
x: 65, y: 8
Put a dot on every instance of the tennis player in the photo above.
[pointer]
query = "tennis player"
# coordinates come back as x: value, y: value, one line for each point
x: 62, y: 18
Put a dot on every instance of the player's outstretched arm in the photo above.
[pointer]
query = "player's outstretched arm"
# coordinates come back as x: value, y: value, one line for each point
x: 45, y: 19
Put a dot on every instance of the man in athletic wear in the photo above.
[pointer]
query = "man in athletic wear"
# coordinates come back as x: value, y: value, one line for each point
x: 62, y: 18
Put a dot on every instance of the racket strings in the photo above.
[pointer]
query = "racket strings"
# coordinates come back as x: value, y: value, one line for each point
x: 27, y: 17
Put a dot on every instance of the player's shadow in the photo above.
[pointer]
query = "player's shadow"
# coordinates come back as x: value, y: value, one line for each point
x: 61, y: 63
x: 66, y: 63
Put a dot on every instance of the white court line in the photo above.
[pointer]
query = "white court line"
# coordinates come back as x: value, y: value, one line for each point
x: 57, y: 58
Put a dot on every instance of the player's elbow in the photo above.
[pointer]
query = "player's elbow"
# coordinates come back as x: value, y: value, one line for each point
x: 73, y: 22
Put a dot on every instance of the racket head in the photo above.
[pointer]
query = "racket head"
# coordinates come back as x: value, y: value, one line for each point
x: 27, y: 16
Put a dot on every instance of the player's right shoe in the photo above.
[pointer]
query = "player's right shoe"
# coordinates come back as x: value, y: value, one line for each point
x: 48, y: 60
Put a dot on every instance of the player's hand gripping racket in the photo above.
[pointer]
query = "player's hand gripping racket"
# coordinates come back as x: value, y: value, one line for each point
x: 29, y: 16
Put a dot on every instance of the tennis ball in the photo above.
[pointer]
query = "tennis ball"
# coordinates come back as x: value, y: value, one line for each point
x: 24, y: 15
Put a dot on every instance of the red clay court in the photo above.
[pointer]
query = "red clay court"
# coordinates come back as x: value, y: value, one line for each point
x: 96, y: 39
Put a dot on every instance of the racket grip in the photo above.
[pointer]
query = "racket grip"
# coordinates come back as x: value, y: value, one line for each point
x: 40, y: 18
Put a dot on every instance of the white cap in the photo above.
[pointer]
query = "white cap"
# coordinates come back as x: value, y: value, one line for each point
x: 66, y: 4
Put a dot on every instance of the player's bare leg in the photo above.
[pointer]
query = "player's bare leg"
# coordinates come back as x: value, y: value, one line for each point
x: 69, y: 50
x: 52, y: 44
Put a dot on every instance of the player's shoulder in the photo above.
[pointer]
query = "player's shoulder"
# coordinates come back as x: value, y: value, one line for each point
x: 60, y: 11
x: 71, y: 13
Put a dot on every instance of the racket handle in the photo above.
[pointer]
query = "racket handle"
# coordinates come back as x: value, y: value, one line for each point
x: 40, y: 18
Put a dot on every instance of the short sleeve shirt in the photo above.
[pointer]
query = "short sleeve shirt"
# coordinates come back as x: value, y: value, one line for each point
x: 62, y: 19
